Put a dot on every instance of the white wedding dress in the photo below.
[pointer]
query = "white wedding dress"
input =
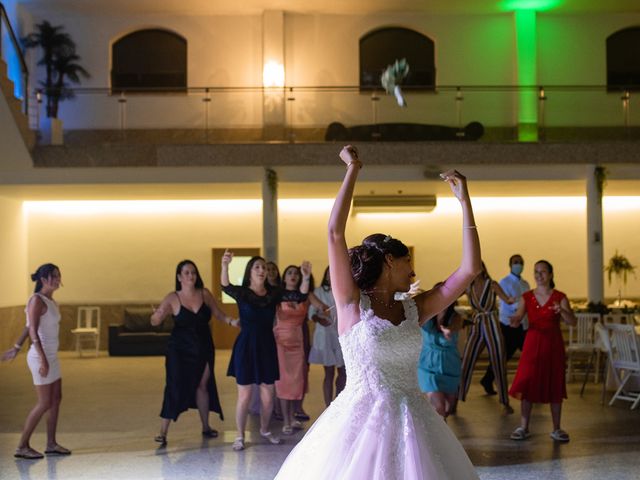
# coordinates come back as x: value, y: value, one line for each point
x: 381, y: 427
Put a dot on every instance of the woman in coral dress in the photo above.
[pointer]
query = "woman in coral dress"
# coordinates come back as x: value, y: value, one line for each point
x: 540, y: 377
x: 381, y: 426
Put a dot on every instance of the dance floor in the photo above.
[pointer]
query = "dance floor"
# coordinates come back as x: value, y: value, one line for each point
x: 110, y: 414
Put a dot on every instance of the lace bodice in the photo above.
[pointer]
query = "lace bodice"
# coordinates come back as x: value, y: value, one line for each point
x: 379, y: 356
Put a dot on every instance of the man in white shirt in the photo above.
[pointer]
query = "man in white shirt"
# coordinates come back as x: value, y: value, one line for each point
x: 514, y: 286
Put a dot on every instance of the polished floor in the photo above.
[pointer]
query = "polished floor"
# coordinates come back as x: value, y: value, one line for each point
x: 110, y: 415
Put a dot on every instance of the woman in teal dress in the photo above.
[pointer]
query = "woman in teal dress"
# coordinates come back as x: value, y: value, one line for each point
x: 440, y: 364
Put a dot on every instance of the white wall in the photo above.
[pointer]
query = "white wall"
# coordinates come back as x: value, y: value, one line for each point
x: 131, y: 257
x: 13, y: 253
x: 322, y: 50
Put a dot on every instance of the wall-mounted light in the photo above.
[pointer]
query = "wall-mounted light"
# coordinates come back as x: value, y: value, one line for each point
x: 273, y: 74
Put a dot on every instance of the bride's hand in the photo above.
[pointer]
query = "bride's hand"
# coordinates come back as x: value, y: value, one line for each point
x: 457, y: 182
x: 349, y: 155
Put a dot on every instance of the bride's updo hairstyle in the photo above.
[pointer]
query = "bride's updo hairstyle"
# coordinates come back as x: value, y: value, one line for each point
x: 368, y: 258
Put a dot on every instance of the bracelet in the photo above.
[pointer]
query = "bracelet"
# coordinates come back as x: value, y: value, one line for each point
x: 472, y: 227
x: 16, y: 346
x: 355, y: 162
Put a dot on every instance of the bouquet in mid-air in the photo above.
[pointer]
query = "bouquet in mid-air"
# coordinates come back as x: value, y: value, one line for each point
x: 392, y: 78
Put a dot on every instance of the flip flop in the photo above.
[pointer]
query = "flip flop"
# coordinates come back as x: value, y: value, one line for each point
x: 271, y: 438
x: 28, y: 453
x: 560, y: 435
x: 161, y: 439
x: 211, y: 433
x: 57, y: 450
x: 238, y: 444
x: 520, y: 434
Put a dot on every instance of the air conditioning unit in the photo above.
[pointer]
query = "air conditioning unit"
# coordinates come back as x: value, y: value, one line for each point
x: 393, y: 203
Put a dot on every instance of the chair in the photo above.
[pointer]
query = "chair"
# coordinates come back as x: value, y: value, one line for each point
x: 625, y: 360
x: 87, y: 327
x: 620, y: 318
x: 603, y: 344
x: 582, y: 340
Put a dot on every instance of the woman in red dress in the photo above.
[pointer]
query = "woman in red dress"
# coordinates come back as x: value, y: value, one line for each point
x: 540, y: 377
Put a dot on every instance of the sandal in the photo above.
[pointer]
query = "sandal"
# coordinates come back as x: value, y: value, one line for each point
x: 238, y: 444
x: 286, y: 430
x: 271, y: 438
x: 211, y: 433
x: 297, y: 425
x: 301, y: 416
x: 57, y: 450
x: 520, y: 434
x: 560, y: 435
x: 161, y: 439
x: 507, y: 410
x: 27, y: 453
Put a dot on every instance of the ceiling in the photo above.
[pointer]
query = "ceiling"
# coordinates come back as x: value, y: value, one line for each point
x: 355, y: 7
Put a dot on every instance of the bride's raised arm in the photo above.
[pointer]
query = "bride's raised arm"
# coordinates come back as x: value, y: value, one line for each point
x: 344, y: 288
x: 434, y: 301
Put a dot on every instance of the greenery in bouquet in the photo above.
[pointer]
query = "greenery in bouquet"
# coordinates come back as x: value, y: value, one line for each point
x: 392, y: 78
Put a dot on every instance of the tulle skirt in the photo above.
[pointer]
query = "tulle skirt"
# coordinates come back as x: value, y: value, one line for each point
x: 382, y: 436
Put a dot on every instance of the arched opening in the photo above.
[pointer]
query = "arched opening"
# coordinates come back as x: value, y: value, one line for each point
x: 149, y: 60
x: 384, y: 46
x: 623, y: 59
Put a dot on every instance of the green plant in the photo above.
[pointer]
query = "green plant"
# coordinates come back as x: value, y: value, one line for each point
x: 620, y: 267
x: 392, y: 78
x: 599, y: 307
x: 600, y: 174
x: 60, y: 59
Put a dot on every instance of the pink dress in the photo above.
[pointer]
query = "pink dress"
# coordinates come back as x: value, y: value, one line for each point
x: 290, y: 344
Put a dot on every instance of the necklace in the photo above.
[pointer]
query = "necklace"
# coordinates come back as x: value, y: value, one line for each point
x: 383, y: 303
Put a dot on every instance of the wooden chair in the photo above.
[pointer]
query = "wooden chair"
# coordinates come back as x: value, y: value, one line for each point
x: 625, y: 360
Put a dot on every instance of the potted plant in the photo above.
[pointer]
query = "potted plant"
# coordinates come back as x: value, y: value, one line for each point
x: 60, y: 59
x: 620, y: 267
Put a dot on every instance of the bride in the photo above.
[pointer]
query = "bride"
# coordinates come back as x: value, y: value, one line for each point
x: 381, y: 426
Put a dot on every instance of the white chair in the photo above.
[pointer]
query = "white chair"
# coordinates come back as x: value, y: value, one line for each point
x: 87, y: 327
x: 582, y: 340
x: 620, y: 318
x: 603, y: 344
x: 625, y: 360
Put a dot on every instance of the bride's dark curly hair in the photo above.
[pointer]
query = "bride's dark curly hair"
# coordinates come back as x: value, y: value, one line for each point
x: 368, y: 258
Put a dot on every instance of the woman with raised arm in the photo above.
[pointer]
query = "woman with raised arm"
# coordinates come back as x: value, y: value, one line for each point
x: 254, y: 358
x: 43, y: 324
x: 190, y: 355
x: 381, y: 426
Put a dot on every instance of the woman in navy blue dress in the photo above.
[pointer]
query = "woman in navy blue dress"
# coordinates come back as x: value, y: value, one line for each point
x: 254, y: 359
x: 190, y: 352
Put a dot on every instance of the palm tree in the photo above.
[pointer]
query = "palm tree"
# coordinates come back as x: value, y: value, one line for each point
x: 56, y: 45
x: 66, y: 68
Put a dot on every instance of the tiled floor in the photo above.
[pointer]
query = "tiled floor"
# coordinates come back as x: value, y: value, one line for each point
x: 110, y: 415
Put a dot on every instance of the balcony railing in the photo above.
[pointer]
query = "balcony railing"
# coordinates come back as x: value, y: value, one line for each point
x: 301, y: 114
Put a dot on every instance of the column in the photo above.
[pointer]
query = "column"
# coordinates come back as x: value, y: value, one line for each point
x: 270, y: 215
x: 595, y: 256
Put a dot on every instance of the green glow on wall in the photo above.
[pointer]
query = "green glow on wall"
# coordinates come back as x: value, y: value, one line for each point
x: 527, y: 58
x: 537, y: 5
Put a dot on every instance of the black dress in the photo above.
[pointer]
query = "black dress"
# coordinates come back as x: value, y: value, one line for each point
x: 254, y: 358
x: 189, y: 349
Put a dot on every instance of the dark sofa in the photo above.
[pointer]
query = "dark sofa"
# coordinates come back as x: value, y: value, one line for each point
x: 136, y: 335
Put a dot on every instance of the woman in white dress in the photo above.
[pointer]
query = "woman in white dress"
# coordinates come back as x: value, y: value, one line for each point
x: 325, y: 349
x: 381, y: 426
x: 43, y: 323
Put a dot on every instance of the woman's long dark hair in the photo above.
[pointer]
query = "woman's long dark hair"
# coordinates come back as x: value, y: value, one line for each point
x: 368, y: 258
x: 278, y: 279
x: 199, y: 283
x: 550, y: 268
x: 246, y: 280
x: 326, y: 282
x: 43, y: 271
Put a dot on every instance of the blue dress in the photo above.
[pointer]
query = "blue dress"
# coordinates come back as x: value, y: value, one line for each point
x: 439, y: 365
x: 254, y: 359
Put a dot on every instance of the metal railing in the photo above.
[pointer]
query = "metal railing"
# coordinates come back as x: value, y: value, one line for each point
x: 4, y: 20
x: 299, y: 113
